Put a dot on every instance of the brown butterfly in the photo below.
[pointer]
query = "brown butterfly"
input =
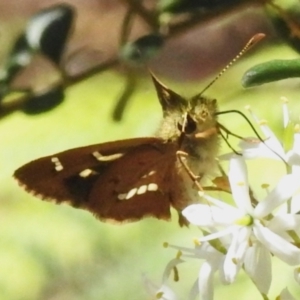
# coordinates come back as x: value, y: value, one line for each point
x: 128, y: 180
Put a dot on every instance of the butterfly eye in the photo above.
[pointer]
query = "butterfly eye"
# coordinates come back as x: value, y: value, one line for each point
x: 189, y: 125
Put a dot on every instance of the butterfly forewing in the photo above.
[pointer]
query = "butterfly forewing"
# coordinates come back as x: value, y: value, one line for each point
x: 136, y: 185
x: 123, y: 180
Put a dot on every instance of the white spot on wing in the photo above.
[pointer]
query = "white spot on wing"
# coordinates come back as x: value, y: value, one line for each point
x: 86, y: 173
x: 57, y: 164
x: 152, y: 187
x: 111, y: 157
x: 142, y: 190
x: 97, y: 155
x: 149, y: 174
x: 122, y: 196
x: 131, y: 193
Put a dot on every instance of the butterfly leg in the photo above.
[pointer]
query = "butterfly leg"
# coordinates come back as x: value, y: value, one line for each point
x: 195, y: 178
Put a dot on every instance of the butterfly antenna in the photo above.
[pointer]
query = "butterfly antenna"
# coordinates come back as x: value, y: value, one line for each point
x: 253, y: 41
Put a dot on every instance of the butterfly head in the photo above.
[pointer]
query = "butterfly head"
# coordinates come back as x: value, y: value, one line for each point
x: 182, y: 117
x: 200, y: 115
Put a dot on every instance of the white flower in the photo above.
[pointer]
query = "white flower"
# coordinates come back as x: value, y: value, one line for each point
x: 212, y: 262
x: 274, y: 149
x: 248, y: 233
x: 254, y: 237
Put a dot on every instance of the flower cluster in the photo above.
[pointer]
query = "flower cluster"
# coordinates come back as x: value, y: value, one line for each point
x: 248, y: 233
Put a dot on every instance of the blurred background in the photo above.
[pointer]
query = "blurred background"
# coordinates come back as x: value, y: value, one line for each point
x: 84, y: 80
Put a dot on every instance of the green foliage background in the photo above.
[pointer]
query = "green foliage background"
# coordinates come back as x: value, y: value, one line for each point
x: 57, y: 252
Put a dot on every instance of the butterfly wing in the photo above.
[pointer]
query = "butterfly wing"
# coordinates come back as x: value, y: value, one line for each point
x: 123, y: 180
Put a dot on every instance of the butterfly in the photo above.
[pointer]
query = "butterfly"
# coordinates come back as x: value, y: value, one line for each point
x: 130, y: 179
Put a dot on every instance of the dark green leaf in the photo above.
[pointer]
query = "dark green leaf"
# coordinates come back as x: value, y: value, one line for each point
x: 273, y: 70
x: 48, y: 30
x: 45, y: 101
x: 142, y: 49
x: 181, y: 6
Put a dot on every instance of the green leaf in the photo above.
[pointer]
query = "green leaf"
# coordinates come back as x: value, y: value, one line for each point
x: 273, y: 70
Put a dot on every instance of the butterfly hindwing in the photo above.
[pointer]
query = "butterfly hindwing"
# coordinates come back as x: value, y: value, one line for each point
x: 123, y: 180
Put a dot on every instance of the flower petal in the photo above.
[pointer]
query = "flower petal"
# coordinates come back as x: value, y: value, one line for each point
x: 284, y: 190
x: 253, y: 150
x: 257, y: 264
x: 208, y: 215
x: 272, y: 141
x: 277, y: 245
x: 205, y: 281
x: 238, y: 179
x: 235, y: 254
x: 284, y: 222
x: 218, y: 234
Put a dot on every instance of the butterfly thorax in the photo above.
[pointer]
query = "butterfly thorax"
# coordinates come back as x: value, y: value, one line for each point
x: 201, y: 140
x: 192, y: 127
